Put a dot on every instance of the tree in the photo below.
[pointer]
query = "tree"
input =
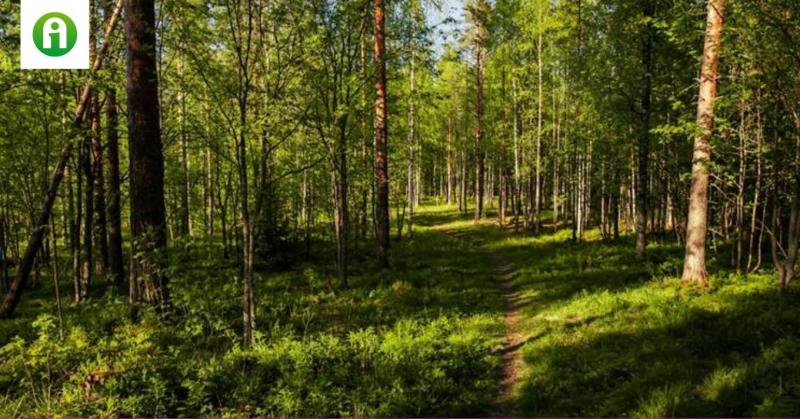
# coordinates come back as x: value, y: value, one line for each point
x: 115, y: 258
x: 148, y: 279
x: 381, y: 136
x: 478, y: 15
x: 694, y: 268
x: 643, y: 151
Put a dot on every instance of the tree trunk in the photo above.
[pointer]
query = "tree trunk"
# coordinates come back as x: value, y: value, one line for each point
x: 644, y: 137
x: 755, y: 246
x: 148, y: 280
x: 694, y: 269
x: 88, y: 202
x: 99, y: 194
x: 538, y: 193
x: 450, y: 174
x: 3, y: 256
x: 76, y: 231
x: 381, y: 136
x: 411, y: 189
x: 115, y: 258
x: 185, y: 189
x: 341, y: 207
x: 516, y: 135
x: 479, y: 133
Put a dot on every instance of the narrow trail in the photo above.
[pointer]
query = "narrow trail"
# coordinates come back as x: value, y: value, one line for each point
x: 511, y: 356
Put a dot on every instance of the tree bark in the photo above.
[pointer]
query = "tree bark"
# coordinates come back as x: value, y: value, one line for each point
x: 694, y: 269
x: 148, y: 280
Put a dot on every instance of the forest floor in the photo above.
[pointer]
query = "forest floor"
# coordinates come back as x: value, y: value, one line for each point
x: 471, y: 320
x: 601, y: 333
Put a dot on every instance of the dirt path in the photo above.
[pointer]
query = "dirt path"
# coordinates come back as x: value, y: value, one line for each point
x: 511, y: 356
x: 512, y: 359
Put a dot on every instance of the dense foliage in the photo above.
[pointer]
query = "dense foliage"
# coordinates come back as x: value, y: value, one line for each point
x: 200, y: 225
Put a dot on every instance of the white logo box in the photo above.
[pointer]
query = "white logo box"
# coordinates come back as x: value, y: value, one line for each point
x: 31, y: 57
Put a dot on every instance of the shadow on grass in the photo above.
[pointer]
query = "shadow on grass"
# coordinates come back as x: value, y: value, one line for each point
x: 690, y: 361
x: 612, y: 335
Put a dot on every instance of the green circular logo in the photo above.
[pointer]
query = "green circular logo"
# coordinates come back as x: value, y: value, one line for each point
x: 55, y: 34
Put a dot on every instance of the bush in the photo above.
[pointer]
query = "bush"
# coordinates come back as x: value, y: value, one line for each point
x: 444, y: 367
x: 415, y: 368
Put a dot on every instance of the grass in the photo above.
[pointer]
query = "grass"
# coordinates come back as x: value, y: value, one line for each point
x: 605, y: 334
x: 611, y: 335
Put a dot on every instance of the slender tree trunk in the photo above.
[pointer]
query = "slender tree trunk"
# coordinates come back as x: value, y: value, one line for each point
x: 694, y: 269
x: 517, y: 174
x: 450, y: 174
x: 342, y: 215
x: 248, y: 244
x: 381, y: 136
x: 644, y: 137
x: 76, y: 232
x: 738, y: 253
x: 148, y: 280
x: 99, y: 195
x: 539, y: 116
x: 88, y: 202
x: 115, y: 258
x: 56, y: 274
x: 753, y: 246
x: 479, y: 133
x: 185, y: 189
x: 3, y: 256
x: 411, y: 133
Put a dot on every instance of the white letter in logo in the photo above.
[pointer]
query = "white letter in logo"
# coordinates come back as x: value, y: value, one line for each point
x: 55, y: 26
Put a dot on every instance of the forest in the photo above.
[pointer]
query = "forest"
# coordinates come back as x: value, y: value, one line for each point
x: 404, y: 208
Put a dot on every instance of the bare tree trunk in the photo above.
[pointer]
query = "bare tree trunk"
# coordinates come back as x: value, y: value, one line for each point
x: 76, y: 232
x: 185, y: 189
x: 115, y: 258
x: 450, y: 174
x: 462, y: 202
x: 88, y: 202
x: 479, y: 132
x: 56, y: 274
x: 694, y: 269
x: 148, y: 280
x: 99, y: 194
x: 381, y: 135
x: 556, y: 159
x: 644, y: 139
x: 411, y: 190
x: 342, y: 217
x: 738, y: 253
x: 516, y: 134
x: 753, y: 246
x: 3, y: 255
x: 210, y: 193
x: 538, y: 194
